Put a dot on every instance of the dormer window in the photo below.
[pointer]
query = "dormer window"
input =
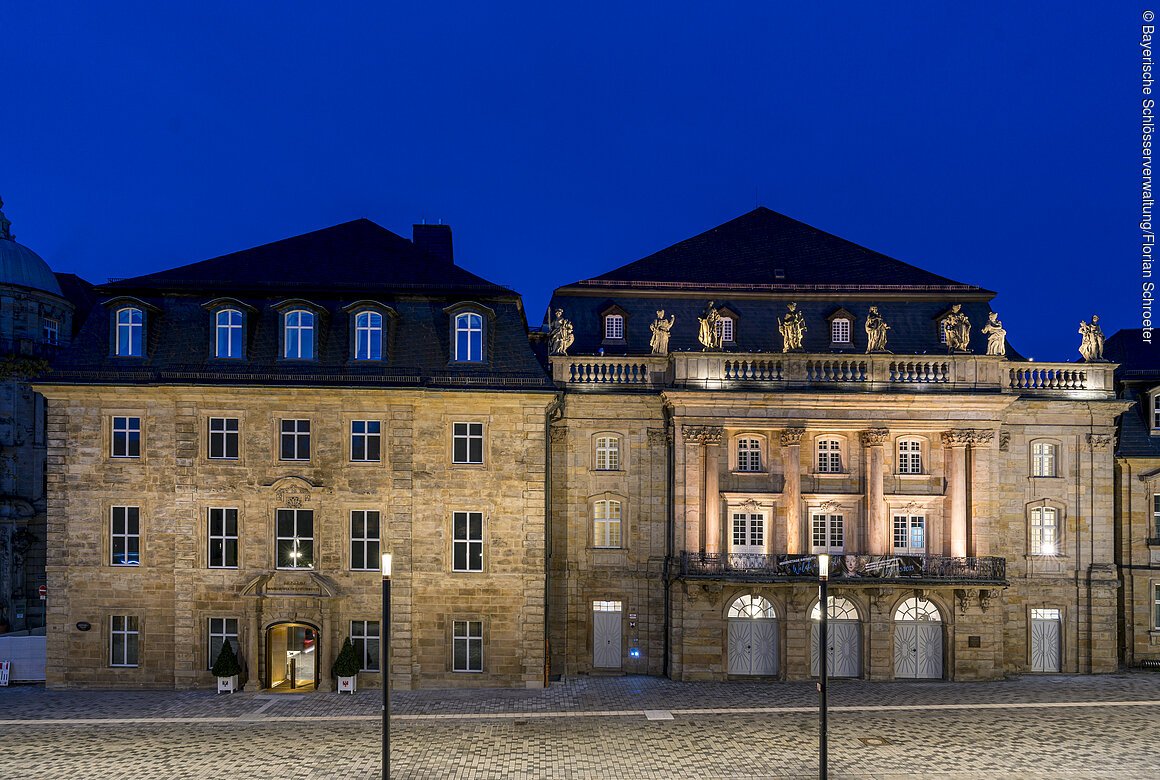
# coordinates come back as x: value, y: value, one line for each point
x: 615, y: 319
x: 725, y: 328
x: 469, y: 337
x: 840, y: 331
x: 614, y: 327
x: 51, y: 331
x: 368, y: 336
x: 228, y: 333
x: 130, y: 325
x: 298, y: 342
x: 1156, y: 413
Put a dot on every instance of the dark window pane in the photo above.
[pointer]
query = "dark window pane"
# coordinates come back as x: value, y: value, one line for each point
x: 372, y: 452
x: 372, y: 525
x: 460, y: 525
x: 231, y: 522
x: 285, y: 522
x: 231, y: 553
x: 231, y: 448
x: 460, y: 451
x: 476, y: 549
x: 476, y: 455
x: 475, y: 529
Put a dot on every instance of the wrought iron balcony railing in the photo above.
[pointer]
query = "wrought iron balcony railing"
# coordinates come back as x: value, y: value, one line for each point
x: 848, y: 568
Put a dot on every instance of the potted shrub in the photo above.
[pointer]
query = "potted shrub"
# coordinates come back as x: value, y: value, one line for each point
x: 226, y: 668
x: 346, y: 667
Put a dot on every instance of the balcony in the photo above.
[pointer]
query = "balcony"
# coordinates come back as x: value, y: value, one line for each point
x: 846, y: 569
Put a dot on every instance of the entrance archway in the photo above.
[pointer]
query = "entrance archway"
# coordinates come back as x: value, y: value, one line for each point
x: 752, y: 636
x: 844, y: 654
x: 292, y: 657
x: 918, y: 640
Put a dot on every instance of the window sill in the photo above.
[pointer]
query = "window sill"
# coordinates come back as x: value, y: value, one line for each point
x: 223, y: 568
x: 1044, y: 476
x: 477, y: 466
x: 830, y: 474
x: 294, y: 568
x: 737, y: 473
x: 1044, y: 557
x: 365, y: 462
x: 912, y: 476
x: 607, y: 471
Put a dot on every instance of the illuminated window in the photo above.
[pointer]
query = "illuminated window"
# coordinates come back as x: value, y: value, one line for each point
x: 749, y: 454
x: 51, y: 330
x: 827, y: 532
x: 1044, y: 531
x: 909, y: 534
x: 467, y: 646
x: 223, y: 438
x: 607, y: 453
x: 724, y: 328
x: 469, y: 337
x: 606, y: 524
x: 368, y: 336
x: 1043, y: 459
x: 916, y: 609
x: 295, y: 539
x: 130, y: 332
x: 126, y: 437
x: 364, y: 635
x: 364, y: 540
x: 748, y: 532
x: 751, y: 606
x: 840, y: 331
x: 909, y: 456
x: 298, y: 341
x: 614, y: 326
x: 125, y: 535
x: 467, y: 541
x: 223, y: 539
x: 829, y: 456
x: 221, y: 630
x: 124, y: 640
x: 365, y: 440
x: 839, y: 609
x: 228, y: 334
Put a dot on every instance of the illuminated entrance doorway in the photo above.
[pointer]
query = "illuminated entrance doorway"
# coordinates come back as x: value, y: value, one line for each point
x: 291, y: 657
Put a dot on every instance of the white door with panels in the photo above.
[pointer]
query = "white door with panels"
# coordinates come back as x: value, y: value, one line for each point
x: 918, y: 640
x: 606, y: 642
x: 844, y: 635
x: 1045, y: 640
x: 752, y: 637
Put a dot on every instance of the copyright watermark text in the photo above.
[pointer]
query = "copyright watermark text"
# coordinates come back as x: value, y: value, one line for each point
x: 1147, y: 130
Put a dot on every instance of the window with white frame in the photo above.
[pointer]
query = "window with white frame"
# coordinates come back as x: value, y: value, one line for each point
x: 298, y: 335
x: 126, y: 437
x: 1043, y: 459
x: 909, y: 534
x: 294, y: 443
x: 1156, y: 412
x: 467, y: 646
x: 51, y: 330
x: 364, y: 635
x: 365, y: 440
x: 827, y: 532
x: 223, y: 538
x: 124, y: 640
x: 840, y: 330
x: 125, y: 535
x: 130, y: 323
x: 724, y: 328
x: 942, y: 331
x: 1156, y: 515
x: 221, y: 630
x: 606, y: 523
x: 829, y: 456
x: 748, y: 454
x: 469, y: 337
x: 614, y: 326
x: 909, y: 456
x: 1044, y: 531
x: 294, y: 538
x: 223, y: 438
x: 467, y: 442
x: 467, y: 541
x: 228, y: 333
x: 607, y: 453
x: 364, y: 540
x: 748, y: 532
x: 1156, y: 606
x: 368, y: 336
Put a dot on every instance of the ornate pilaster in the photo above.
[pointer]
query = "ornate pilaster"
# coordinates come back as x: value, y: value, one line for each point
x: 710, y: 437
x: 791, y: 458
x: 956, y: 442
x: 873, y: 441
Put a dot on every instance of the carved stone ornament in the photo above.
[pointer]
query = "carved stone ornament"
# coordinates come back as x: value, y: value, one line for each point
x: 981, y: 437
x: 956, y: 438
x: 876, y: 328
x: 1100, y: 441
x: 709, y: 331
x: 957, y: 327
x: 985, y: 597
x: 828, y: 506
x: 1004, y: 440
x: 558, y: 433
x: 792, y: 326
x: 661, y: 327
x: 560, y: 334
x: 657, y: 436
x: 792, y: 437
x: 292, y: 496
x: 875, y: 437
x: 963, y: 596
x: 702, y: 434
x: 1091, y: 345
x: 996, y: 335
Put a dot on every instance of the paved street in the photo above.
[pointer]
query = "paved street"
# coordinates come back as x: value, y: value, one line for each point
x: 628, y: 727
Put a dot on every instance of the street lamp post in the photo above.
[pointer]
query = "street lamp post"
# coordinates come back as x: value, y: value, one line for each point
x: 385, y: 665
x: 823, y: 658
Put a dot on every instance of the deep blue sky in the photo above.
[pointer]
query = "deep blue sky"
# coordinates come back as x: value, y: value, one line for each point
x: 995, y: 143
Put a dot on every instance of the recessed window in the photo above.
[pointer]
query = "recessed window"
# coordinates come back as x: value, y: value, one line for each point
x: 124, y: 640
x: 909, y: 534
x: 228, y: 334
x: 467, y: 646
x: 827, y: 532
x: 130, y: 325
x: 295, y: 538
x: 606, y: 523
x: 1043, y: 459
x: 364, y: 636
x: 365, y: 440
x: 364, y: 540
x: 295, y: 440
x: 223, y: 538
x: 909, y: 456
x: 748, y: 454
x: 1156, y: 515
x: 467, y: 541
x: 1044, y: 531
x: 368, y: 336
x: 126, y: 437
x: 724, y: 328
x: 1156, y: 412
x: 467, y: 442
x: 469, y: 337
x: 748, y: 532
x: 51, y: 329
x: 829, y: 456
x: 298, y: 336
x: 607, y: 453
x: 1156, y: 607
x: 223, y: 438
x: 614, y: 327
x: 840, y: 330
x: 125, y: 536
x: 221, y: 630
x: 942, y: 331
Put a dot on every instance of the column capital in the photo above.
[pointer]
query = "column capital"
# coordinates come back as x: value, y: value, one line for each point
x: 1100, y: 441
x: 874, y: 437
x: 792, y: 437
x: 957, y: 438
x: 702, y: 434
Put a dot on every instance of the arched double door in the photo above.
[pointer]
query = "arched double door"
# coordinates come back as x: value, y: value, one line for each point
x: 844, y: 637
x: 292, y: 657
x: 752, y: 637
x: 918, y: 640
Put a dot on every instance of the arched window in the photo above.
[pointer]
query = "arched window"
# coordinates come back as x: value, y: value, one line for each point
x: 1044, y: 459
x: 917, y: 609
x: 752, y: 606
x: 1044, y: 531
x: 909, y: 456
x: 228, y: 334
x: 606, y: 523
x: 840, y: 609
x: 469, y: 337
x: 840, y: 330
x: 829, y: 456
x: 130, y: 332
x: 748, y: 454
x: 299, y: 335
x: 368, y: 336
x: 614, y: 326
x: 608, y: 453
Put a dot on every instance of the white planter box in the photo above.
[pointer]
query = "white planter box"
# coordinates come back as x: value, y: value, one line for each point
x: 348, y: 684
x: 227, y: 684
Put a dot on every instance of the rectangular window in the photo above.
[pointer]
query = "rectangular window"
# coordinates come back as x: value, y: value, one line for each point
x: 1043, y: 459
x: 467, y: 443
x: 614, y: 326
x: 909, y: 457
x: 223, y: 538
x: 295, y: 441
x: 126, y: 437
x: 748, y: 532
x: 1156, y: 412
x: 298, y: 335
x: 1044, y: 531
x: 840, y: 331
x: 467, y: 646
x: 228, y: 324
x: 295, y: 538
x: 124, y: 640
x: 130, y: 331
x: 365, y: 440
x: 223, y: 438
x: 469, y: 337
x: 364, y: 635
x: 606, y: 524
x: 827, y: 532
x: 748, y: 455
x: 829, y: 456
x: 1156, y: 515
x: 125, y: 536
x: 607, y: 453
x: 725, y: 329
x: 1156, y: 607
x: 221, y: 630
x: 368, y: 336
x: 51, y: 331
x: 909, y: 533
x: 364, y: 540
x: 467, y: 541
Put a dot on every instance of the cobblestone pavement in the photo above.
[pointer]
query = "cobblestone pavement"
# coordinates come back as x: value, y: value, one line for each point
x: 626, y: 727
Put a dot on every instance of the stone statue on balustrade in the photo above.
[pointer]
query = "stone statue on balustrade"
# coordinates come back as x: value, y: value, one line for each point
x: 710, y: 332
x: 793, y: 329
x: 876, y: 328
x: 660, y: 333
x: 957, y: 328
x: 1091, y: 344
x: 996, y: 335
x: 560, y: 335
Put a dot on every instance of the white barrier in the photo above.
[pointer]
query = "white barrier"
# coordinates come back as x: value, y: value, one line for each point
x: 25, y: 656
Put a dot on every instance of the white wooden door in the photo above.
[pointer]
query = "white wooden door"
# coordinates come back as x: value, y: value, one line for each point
x: 918, y: 651
x: 844, y: 658
x: 1045, y: 645
x: 606, y: 647
x: 753, y: 646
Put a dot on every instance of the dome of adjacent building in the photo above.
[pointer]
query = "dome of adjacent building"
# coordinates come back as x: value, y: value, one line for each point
x: 20, y: 266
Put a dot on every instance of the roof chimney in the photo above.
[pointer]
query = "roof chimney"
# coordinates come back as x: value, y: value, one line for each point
x: 435, y: 240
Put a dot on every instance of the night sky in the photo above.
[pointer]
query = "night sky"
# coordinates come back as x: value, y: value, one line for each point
x: 996, y: 143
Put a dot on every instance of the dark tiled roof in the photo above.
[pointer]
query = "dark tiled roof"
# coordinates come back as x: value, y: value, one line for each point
x: 80, y: 294
x: 1138, y: 373
x: 766, y: 250
x: 1137, y: 358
